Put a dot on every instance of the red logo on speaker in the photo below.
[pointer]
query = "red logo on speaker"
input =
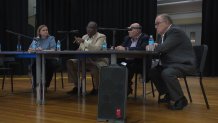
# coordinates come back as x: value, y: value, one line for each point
x: 118, y: 113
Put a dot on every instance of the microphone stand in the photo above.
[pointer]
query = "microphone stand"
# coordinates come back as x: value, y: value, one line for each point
x: 114, y: 33
x: 68, y: 36
x: 18, y: 38
x: 113, y: 56
x: 114, y: 41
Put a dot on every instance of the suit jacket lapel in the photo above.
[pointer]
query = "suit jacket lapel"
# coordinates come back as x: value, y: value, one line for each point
x: 95, y: 37
x: 139, y: 41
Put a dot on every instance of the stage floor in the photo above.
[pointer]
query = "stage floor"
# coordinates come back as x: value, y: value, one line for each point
x: 20, y: 106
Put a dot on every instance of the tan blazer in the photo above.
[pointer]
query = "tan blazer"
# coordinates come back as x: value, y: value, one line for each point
x: 92, y: 44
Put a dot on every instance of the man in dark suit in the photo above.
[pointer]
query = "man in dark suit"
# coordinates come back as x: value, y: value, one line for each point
x: 136, y: 40
x: 176, y: 59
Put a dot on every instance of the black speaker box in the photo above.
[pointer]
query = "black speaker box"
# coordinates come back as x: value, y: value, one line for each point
x: 112, y: 93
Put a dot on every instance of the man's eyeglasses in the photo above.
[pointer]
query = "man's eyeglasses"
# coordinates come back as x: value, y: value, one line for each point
x: 131, y: 28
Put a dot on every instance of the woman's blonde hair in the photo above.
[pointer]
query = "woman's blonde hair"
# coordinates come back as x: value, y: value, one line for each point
x: 39, y: 29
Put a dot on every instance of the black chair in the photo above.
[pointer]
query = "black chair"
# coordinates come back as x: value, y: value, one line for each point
x: 6, y: 69
x: 135, y: 90
x: 201, y: 54
x: 55, y: 78
x: 60, y: 69
x: 154, y: 62
x: 92, y: 80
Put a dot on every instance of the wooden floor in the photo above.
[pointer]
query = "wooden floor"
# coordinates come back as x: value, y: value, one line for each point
x: 20, y: 106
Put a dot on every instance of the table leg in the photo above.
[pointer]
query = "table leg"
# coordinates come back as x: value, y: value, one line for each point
x: 113, y: 59
x: 144, y: 78
x: 43, y: 80
x: 38, y: 78
x: 84, y: 76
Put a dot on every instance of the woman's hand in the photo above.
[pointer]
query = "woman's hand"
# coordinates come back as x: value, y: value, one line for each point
x: 37, y: 49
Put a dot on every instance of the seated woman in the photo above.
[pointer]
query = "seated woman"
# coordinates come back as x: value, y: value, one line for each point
x: 43, y: 41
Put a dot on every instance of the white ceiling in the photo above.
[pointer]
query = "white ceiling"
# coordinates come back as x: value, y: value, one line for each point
x: 175, y: 1
x: 179, y: 6
x: 186, y: 10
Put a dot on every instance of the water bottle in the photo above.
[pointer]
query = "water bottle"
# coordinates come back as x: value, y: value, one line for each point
x: 18, y: 47
x: 34, y: 45
x: 151, y: 43
x: 104, y: 45
x: 58, y: 46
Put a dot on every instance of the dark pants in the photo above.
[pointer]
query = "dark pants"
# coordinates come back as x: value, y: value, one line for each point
x: 50, y: 67
x: 136, y: 66
x: 133, y: 67
x: 166, y: 81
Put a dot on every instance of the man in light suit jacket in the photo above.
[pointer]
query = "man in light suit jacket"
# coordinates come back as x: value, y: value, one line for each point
x: 176, y: 59
x: 92, y: 41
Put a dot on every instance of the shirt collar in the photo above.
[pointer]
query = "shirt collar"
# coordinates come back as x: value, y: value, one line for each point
x: 137, y: 38
x: 166, y: 30
x: 92, y: 36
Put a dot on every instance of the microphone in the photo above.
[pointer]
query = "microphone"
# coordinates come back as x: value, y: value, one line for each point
x: 74, y: 31
x: 101, y: 28
x: 9, y: 31
x: 18, y: 34
x: 71, y: 31
x: 36, y: 38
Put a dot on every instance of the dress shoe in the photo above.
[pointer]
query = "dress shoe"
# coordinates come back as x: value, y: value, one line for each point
x: 93, y: 92
x: 166, y: 99
x: 178, y: 105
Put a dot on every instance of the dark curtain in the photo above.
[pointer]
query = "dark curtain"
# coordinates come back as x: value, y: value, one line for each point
x: 14, y: 17
x: 209, y: 34
x: 2, y: 21
x: 75, y: 14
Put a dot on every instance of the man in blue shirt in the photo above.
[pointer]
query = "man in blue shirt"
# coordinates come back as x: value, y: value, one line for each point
x: 44, y: 42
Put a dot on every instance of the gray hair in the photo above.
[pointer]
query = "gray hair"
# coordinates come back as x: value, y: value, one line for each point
x: 166, y: 17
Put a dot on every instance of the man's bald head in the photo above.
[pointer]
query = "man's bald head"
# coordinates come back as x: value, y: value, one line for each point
x: 91, y: 28
x: 135, y: 30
